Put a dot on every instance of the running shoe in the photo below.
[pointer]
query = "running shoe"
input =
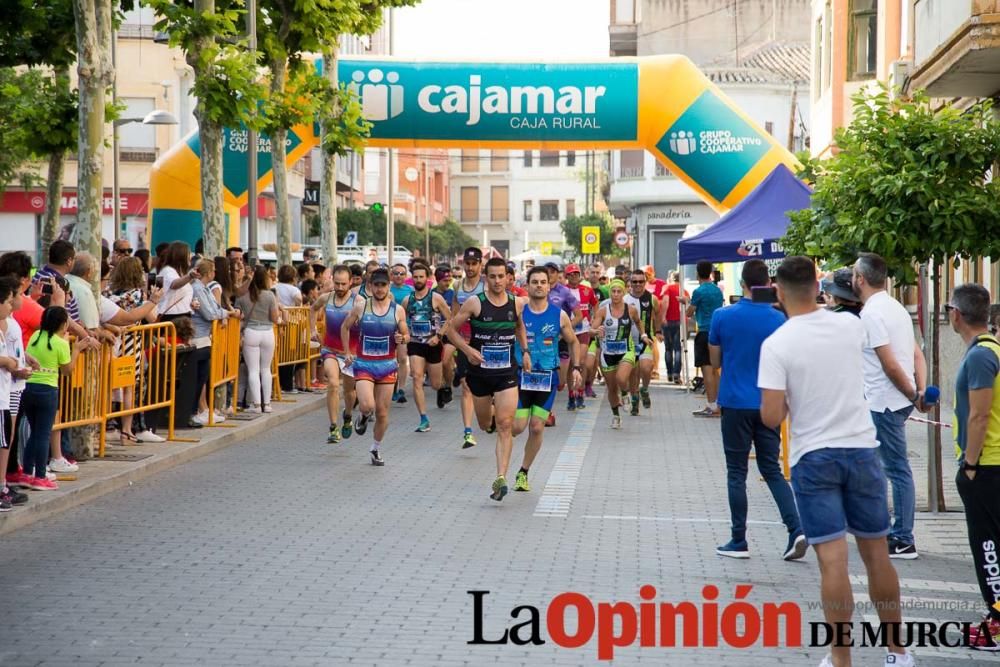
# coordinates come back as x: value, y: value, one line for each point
x: 334, y: 437
x: 468, y: 440
x: 41, y: 484
x: 589, y: 391
x: 377, y: 459
x: 634, y: 411
x: 440, y: 398
x: 5, y: 505
x: 733, y: 549
x: 399, y: 396
x: 644, y: 395
x: 985, y: 641
x: 448, y: 395
x: 347, y: 428
x: 361, y: 423
x: 580, y: 405
x: 521, y: 481
x: 14, y: 496
x: 902, y: 550
x: 148, y: 436
x: 499, y: 488
x: 425, y: 425
x: 17, y: 479
x: 706, y: 412
x: 571, y: 405
x: 62, y: 465
x: 551, y: 421
x: 616, y: 421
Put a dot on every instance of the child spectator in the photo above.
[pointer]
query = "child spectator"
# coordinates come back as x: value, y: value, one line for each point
x: 13, y: 370
x: 40, y: 401
x: 288, y: 294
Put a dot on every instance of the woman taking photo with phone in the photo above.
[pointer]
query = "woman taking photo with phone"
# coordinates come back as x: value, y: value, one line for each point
x: 176, y: 275
x: 260, y: 312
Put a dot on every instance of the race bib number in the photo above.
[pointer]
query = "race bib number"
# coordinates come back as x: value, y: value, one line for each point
x: 536, y: 381
x: 375, y: 346
x: 615, y: 346
x: 495, y: 356
x: 421, y: 329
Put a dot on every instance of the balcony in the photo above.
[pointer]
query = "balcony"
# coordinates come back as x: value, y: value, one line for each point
x: 957, y: 47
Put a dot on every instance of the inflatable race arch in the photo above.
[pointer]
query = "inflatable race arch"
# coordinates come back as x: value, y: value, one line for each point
x: 663, y: 104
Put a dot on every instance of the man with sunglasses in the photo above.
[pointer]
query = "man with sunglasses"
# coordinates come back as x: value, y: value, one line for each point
x: 648, y: 307
x: 119, y: 250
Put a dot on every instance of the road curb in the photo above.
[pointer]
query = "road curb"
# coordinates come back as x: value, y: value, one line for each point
x: 40, y: 507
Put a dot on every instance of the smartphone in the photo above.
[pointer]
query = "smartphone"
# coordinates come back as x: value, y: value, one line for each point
x: 150, y: 280
x: 159, y: 282
x: 764, y: 294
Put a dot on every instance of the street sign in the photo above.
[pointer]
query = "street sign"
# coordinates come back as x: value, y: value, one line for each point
x: 545, y: 247
x: 351, y: 238
x: 621, y: 239
x: 591, y: 240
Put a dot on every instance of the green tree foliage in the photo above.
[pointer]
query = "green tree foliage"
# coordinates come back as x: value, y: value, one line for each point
x: 447, y: 239
x: 572, y: 229
x: 909, y: 181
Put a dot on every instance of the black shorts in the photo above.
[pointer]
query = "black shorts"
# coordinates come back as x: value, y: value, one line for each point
x: 461, y: 366
x: 432, y: 353
x: 487, y: 385
x: 701, y: 356
x: 563, y: 350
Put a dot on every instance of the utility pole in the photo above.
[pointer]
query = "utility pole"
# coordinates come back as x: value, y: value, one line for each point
x: 251, y: 6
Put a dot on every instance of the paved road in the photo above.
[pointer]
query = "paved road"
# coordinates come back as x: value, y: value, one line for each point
x: 287, y: 551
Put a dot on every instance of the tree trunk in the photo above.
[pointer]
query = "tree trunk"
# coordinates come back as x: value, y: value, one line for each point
x: 53, y: 201
x: 213, y: 220
x: 93, y: 37
x: 279, y: 72
x: 935, y: 380
x: 328, y: 186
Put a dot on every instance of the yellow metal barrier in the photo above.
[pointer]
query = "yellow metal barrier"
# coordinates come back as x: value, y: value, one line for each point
x: 786, y: 443
x: 147, y: 362
x: 224, y: 366
x: 316, y: 351
x: 82, y: 393
x: 291, y: 343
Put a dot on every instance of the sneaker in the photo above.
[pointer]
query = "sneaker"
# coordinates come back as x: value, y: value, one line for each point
x: 900, y: 659
x: 17, y: 479
x: 334, y: 437
x: 580, y: 405
x: 51, y: 476
x: 571, y: 405
x: 219, y: 417
x: 827, y: 661
x: 468, y: 440
x: 440, y: 398
x: 377, y: 459
x: 316, y: 384
x: 193, y: 424
x: 499, y: 488
x: 399, y: 396
x: 267, y: 409
x: 734, y: 550
x: 616, y: 421
x: 5, y: 505
x: 201, y: 417
x: 148, y: 436
x: 551, y: 421
x: 985, y: 641
x: 634, y: 412
x: 644, y: 395
x: 589, y: 392
x: 361, y: 423
x: 13, y: 496
x: 707, y: 412
x: 521, y: 481
x: 796, y: 548
x: 448, y: 395
x: 425, y: 425
x: 62, y: 465
x: 291, y: 392
x: 39, y: 484
x: 347, y: 429
x: 902, y: 550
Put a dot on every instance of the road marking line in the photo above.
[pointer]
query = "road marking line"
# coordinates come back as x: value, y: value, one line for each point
x: 557, y: 496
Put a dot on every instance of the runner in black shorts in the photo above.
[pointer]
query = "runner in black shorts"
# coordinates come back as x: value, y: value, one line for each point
x: 468, y: 286
x: 426, y: 314
x: 495, y: 318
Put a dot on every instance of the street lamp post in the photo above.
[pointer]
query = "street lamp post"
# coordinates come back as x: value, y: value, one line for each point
x: 152, y: 118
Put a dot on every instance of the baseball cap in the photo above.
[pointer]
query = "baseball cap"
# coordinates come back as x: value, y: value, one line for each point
x: 553, y: 265
x: 840, y: 285
x: 442, y: 271
x: 380, y: 275
x: 572, y: 268
x: 472, y: 254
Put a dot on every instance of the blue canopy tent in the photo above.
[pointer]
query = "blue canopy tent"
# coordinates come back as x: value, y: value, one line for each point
x: 752, y: 229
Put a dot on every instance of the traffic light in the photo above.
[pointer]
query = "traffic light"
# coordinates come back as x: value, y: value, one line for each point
x: 376, y: 207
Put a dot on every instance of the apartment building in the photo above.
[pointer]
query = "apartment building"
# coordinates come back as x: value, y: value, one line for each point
x: 757, y: 53
x: 515, y: 200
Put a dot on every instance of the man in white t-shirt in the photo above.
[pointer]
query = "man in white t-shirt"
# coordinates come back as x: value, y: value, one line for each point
x: 895, y: 377
x: 811, y: 371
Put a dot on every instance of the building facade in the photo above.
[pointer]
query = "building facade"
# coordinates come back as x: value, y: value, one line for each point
x: 515, y: 200
x: 765, y: 75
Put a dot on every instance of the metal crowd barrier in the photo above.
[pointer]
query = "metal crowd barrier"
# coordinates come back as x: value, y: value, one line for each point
x: 146, y: 361
x: 291, y: 343
x: 224, y: 366
x: 316, y: 350
x: 82, y: 393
